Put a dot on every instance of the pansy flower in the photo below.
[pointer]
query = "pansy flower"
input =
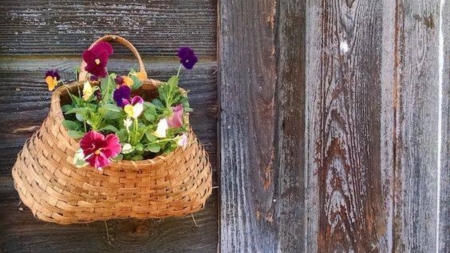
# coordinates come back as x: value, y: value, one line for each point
x: 135, y: 108
x: 96, y: 58
x: 182, y: 141
x: 176, y: 119
x: 124, y: 80
x: 161, y: 129
x: 187, y: 57
x: 98, y: 149
x: 122, y: 94
x: 87, y: 91
x: 51, y: 78
x: 118, y: 80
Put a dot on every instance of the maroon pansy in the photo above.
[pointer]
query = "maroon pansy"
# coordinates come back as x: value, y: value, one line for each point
x: 96, y: 58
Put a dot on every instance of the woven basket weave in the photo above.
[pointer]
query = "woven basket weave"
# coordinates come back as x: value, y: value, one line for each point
x: 55, y: 190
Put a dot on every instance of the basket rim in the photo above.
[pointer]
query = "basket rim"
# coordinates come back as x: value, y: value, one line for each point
x: 148, y: 84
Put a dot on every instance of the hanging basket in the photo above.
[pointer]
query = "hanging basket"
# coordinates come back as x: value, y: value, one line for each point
x: 55, y: 190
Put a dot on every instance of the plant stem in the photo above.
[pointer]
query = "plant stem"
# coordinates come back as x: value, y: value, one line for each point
x: 179, y: 69
x: 135, y: 130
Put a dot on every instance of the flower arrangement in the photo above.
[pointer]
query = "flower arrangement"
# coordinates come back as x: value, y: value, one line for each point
x: 113, y: 121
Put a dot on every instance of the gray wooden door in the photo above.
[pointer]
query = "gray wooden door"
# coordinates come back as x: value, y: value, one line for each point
x: 334, y: 126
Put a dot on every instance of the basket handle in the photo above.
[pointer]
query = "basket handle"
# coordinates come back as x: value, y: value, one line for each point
x: 142, y: 74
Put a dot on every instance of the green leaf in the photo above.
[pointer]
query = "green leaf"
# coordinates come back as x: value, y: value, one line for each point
x: 157, y: 103
x: 66, y: 108
x: 75, y: 134
x: 122, y: 134
x: 111, y: 107
x: 154, y: 148
x: 104, y: 84
x: 149, y: 116
x: 150, y: 136
x: 82, y: 111
x: 136, y: 82
x: 109, y: 128
x: 71, y: 125
x: 119, y: 157
x: 173, y: 81
x: 139, y: 147
x: 137, y: 158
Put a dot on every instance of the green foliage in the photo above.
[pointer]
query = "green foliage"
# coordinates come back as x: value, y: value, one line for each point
x: 137, y: 135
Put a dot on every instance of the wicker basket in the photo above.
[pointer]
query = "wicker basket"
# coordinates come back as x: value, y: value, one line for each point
x: 55, y: 190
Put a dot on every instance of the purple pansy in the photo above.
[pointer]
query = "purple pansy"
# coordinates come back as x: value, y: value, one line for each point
x: 96, y: 58
x: 121, y: 95
x: 187, y: 57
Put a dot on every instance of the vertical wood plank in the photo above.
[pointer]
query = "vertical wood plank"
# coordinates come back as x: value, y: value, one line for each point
x: 262, y: 72
x: 291, y: 125
x: 347, y: 118
x: 444, y: 218
x: 247, y: 98
x: 417, y: 116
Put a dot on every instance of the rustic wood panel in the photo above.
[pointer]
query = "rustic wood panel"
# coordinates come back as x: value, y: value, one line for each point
x: 289, y: 170
x: 444, y: 217
x: 21, y: 232
x: 262, y: 126
x: 348, y: 203
x: 67, y: 27
x: 247, y: 76
x: 417, y: 114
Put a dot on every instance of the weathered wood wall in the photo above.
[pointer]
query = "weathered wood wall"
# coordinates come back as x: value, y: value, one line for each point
x: 38, y: 35
x: 334, y: 126
x: 334, y: 119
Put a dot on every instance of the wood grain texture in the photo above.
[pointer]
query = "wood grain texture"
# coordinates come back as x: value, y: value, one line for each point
x: 444, y: 217
x: 66, y: 27
x: 24, y: 103
x: 348, y: 207
x: 247, y: 79
x: 21, y: 232
x: 289, y: 171
x: 416, y: 165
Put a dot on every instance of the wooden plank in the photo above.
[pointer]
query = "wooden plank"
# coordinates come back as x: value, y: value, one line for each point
x: 289, y: 172
x: 417, y: 104
x: 444, y: 216
x: 348, y: 189
x: 21, y: 232
x: 247, y: 77
x: 64, y: 27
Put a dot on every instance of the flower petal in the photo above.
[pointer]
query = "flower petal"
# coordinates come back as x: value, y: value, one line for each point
x: 91, y: 141
x: 137, y: 100
x: 112, y: 146
x: 51, y: 82
x: 176, y: 119
x: 120, y: 94
x: 87, y: 91
x: 161, y: 129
